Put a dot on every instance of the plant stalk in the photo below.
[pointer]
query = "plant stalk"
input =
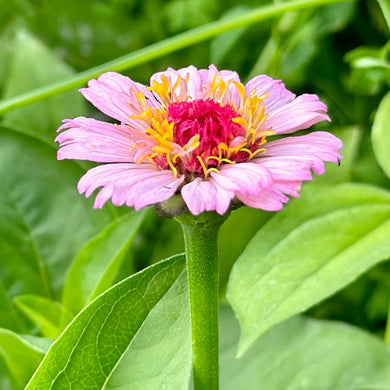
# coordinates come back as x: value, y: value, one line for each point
x: 201, y: 246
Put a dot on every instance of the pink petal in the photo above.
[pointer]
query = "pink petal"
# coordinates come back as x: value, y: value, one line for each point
x: 89, y: 139
x: 113, y: 94
x: 278, y: 95
x: 130, y: 184
x: 269, y: 200
x: 246, y: 178
x: 312, y: 149
x: 301, y: 113
x: 198, y: 82
x: 284, y: 168
x: 203, y: 195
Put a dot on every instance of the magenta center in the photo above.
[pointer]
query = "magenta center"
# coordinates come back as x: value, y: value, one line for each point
x: 211, y: 121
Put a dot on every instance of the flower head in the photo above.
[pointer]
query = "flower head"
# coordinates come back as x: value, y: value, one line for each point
x: 199, y: 133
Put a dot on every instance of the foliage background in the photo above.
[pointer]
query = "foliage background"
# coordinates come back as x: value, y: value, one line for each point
x: 339, y: 52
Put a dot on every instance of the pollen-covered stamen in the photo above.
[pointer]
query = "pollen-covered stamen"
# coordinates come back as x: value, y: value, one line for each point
x: 213, y: 124
x: 170, y: 92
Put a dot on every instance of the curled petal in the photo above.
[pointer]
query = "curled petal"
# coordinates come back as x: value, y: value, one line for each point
x: 270, y: 200
x: 246, y: 178
x: 204, y: 195
x: 134, y: 185
x: 313, y: 149
x: 301, y: 113
x: 89, y: 139
x: 115, y: 95
x: 277, y: 94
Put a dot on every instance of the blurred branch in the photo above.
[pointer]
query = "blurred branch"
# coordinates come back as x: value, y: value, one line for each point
x: 162, y: 48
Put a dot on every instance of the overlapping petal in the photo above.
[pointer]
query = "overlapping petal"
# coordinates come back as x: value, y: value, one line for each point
x: 247, y: 178
x: 313, y: 148
x: 131, y: 184
x: 115, y: 95
x: 92, y: 140
x: 204, y: 195
x: 277, y: 94
x: 300, y: 113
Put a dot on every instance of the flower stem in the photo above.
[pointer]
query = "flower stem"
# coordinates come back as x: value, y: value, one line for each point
x: 201, y: 245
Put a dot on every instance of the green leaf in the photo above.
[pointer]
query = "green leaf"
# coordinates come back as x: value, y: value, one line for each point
x: 43, y: 220
x: 315, y: 247
x: 19, y: 358
x: 381, y: 135
x: 33, y: 65
x: 96, y: 264
x: 136, y: 335
x: 304, y: 354
x: 49, y: 316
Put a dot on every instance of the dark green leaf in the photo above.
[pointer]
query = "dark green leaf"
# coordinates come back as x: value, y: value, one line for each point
x: 43, y: 220
x: 96, y: 264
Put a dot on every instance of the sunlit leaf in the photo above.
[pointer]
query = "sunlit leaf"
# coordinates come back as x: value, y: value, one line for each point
x: 49, y: 316
x: 136, y: 335
x: 315, y: 247
x: 18, y: 357
x: 381, y: 135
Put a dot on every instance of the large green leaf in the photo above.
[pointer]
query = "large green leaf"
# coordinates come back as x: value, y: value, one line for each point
x: 319, y: 244
x: 381, y: 135
x: 49, y: 316
x: 96, y: 264
x: 304, y: 354
x: 136, y: 335
x: 19, y: 357
x: 43, y: 220
x: 33, y: 65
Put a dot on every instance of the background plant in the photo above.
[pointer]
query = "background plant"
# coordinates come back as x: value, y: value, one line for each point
x: 323, y: 256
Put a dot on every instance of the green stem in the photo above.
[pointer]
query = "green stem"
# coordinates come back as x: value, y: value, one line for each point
x: 160, y: 49
x: 201, y: 245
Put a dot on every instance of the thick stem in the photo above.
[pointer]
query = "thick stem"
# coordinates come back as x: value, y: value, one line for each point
x: 201, y: 244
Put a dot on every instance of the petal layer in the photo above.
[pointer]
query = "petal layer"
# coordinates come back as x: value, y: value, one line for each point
x: 134, y: 185
x: 204, y: 195
x: 89, y: 139
x: 115, y: 95
x: 246, y: 178
x: 301, y: 113
x: 277, y: 94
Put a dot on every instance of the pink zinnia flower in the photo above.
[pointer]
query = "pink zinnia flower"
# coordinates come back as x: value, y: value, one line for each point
x: 200, y: 133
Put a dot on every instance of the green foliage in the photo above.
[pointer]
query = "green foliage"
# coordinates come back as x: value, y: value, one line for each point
x: 302, y: 353
x: 328, y: 237
x: 97, y: 263
x: 381, y: 135
x: 19, y: 357
x: 136, y: 333
x: 60, y: 258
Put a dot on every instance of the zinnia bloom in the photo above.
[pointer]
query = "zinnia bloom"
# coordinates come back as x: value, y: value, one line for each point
x: 200, y: 133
